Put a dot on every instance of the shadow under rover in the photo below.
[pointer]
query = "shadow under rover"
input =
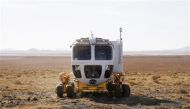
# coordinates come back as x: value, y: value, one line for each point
x: 130, y: 101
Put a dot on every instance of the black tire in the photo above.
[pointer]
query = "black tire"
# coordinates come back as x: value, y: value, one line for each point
x: 117, y: 91
x: 109, y: 87
x: 72, y: 84
x: 126, y: 90
x: 59, y: 90
x: 70, y: 91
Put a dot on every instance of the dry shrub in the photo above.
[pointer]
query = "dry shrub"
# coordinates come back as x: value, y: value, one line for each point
x: 155, y: 78
x: 132, y: 83
x: 18, y: 82
x: 138, y: 94
x: 18, y: 75
x: 30, y: 92
x: 132, y: 78
x: 183, y: 91
x: 144, y: 79
x: 178, y: 83
x: 187, y: 106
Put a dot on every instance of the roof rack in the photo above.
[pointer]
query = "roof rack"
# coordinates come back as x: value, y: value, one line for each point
x: 86, y: 41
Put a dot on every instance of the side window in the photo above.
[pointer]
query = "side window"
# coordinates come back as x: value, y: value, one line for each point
x: 103, y: 52
x: 82, y: 52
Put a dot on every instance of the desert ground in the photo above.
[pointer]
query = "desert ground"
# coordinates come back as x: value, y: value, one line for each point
x: 157, y: 82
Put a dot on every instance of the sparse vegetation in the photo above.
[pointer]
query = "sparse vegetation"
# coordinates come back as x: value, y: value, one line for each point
x: 183, y: 91
x: 156, y: 82
x: 155, y: 78
x: 17, y: 82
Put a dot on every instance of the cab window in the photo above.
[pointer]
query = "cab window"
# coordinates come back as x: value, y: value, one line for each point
x: 82, y: 52
x: 103, y: 52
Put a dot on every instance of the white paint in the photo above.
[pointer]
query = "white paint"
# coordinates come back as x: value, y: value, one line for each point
x: 117, y: 65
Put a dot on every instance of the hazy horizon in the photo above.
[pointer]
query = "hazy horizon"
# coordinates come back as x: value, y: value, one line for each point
x: 186, y: 48
x: 54, y: 25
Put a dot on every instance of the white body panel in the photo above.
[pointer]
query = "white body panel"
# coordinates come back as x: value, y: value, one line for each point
x: 116, y: 62
x: 118, y: 57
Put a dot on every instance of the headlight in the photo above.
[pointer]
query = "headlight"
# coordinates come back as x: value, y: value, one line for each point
x: 76, y: 70
x: 108, y: 71
x: 77, y: 67
x: 109, y: 67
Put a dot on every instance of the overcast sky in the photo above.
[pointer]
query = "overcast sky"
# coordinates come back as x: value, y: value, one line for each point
x: 48, y: 24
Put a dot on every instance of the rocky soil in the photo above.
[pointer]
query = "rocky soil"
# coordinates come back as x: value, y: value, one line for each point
x: 156, y: 82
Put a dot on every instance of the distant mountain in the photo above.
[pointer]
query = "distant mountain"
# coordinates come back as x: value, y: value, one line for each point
x: 35, y: 52
x: 179, y: 51
x: 185, y: 49
x: 33, y: 49
x: 38, y: 52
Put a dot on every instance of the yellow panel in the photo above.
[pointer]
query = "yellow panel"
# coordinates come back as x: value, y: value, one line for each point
x: 92, y: 88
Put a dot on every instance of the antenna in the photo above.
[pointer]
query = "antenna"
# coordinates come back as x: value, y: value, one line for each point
x: 120, y: 48
x: 92, y: 35
x: 120, y: 30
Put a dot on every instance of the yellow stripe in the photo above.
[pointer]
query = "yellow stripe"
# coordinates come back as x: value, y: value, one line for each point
x: 92, y: 88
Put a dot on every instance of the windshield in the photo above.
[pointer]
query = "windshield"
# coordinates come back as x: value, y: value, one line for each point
x: 103, y: 52
x: 82, y: 52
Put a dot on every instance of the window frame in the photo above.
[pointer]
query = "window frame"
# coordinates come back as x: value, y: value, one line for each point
x: 74, y: 52
x: 111, y: 48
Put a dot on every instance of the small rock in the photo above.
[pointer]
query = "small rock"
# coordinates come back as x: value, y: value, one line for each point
x: 74, y: 101
x: 28, y: 99
x: 34, y: 99
x: 66, y: 107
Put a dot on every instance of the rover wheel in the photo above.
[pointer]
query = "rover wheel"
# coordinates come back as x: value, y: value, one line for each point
x: 126, y: 90
x: 109, y: 87
x: 72, y: 84
x: 117, y: 91
x: 70, y: 91
x: 59, y: 90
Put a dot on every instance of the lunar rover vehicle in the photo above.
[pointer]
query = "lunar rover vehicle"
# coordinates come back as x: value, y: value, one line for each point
x: 97, y: 66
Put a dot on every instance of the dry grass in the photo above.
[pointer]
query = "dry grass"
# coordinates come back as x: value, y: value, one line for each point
x: 156, y: 82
